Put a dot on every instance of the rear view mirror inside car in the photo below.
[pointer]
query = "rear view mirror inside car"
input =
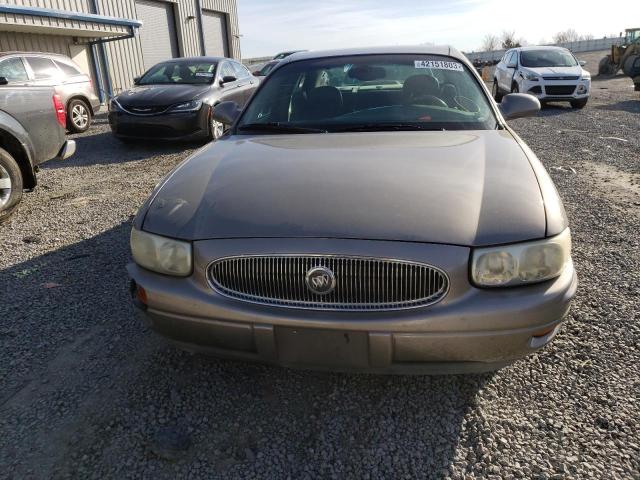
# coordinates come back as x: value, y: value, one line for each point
x: 367, y: 73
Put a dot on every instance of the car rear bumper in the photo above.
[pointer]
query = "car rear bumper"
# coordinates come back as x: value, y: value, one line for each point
x: 173, y: 126
x: 474, y: 330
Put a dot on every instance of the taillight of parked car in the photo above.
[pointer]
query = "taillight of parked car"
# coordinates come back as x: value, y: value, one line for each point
x: 60, y: 112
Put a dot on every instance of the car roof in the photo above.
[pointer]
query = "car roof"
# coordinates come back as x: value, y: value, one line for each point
x: 538, y: 47
x: 196, y: 59
x: 417, y: 49
x: 46, y: 54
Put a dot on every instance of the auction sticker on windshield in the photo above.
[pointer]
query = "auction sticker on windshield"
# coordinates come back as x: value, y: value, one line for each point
x: 439, y: 64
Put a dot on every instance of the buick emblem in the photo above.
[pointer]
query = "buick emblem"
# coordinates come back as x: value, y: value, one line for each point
x: 320, y: 280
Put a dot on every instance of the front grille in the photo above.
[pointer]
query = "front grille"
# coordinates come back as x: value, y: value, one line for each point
x: 559, y: 89
x: 145, y: 110
x: 560, y: 77
x: 361, y: 283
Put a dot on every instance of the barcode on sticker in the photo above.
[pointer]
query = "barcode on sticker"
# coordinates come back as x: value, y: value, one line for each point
x: 439, y: 64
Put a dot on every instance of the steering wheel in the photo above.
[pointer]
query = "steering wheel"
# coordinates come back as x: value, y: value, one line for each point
x: 429, y: 100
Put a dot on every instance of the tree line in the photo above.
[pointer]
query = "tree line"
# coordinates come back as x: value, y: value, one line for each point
x: 508, y: 39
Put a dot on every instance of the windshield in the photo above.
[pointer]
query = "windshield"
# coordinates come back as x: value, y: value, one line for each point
x: 182, y: 72
x: 370, y: 92
x: 547, y: 58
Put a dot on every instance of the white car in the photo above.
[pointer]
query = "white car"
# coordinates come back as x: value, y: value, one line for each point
x: 548, y: 73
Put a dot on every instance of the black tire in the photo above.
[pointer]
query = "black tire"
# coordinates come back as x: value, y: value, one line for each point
x: 78, y: 116
x: 579, y: 103
x: 10, y: 185
x: 497, y: 95
x: 631, y: 67
x: 605, y: 67
x: 515, y: 88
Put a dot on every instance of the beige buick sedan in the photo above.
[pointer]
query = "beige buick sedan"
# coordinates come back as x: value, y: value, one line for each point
x: 368, y: 210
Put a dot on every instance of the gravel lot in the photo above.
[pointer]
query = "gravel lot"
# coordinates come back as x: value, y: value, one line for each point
x: 87, y: 392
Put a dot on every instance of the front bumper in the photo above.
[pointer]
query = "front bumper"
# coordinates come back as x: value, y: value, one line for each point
x: 471, y: 330
x: 168, y: 126
x: 557, y: 90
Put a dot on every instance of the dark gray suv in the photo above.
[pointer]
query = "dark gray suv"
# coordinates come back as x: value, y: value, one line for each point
x: 53, y: 70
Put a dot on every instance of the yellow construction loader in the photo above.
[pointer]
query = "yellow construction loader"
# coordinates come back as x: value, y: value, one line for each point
x: 625, y: 57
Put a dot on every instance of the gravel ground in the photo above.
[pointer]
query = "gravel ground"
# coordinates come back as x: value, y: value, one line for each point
x: 87, y: 392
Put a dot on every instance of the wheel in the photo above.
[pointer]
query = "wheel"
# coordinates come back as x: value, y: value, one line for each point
x: 78, y: 116
x: 631, y: 66
x: 605, y: 67
x: 216, y: 130
x: 515, y: 88
x: 495, y: 91
x: 579, y: 103
x: 10, y: 185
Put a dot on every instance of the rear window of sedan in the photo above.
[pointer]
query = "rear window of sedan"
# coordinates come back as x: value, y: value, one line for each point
x: 377, y: 92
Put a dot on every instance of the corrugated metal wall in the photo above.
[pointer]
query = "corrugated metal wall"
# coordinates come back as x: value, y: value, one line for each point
x: 31, y: 42
x: 233, y: 28
x: 125, y: 56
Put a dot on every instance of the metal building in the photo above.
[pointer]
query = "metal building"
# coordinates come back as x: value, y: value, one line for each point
x: 117, y: 40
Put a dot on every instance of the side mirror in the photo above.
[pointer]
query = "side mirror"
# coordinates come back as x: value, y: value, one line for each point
x: 136, y: 80
x: 518, y: 105
x: 256, y: 73
x: 4, y: 81
x: 227, y: 79
x: 226, y: 112
x: 582, y: 63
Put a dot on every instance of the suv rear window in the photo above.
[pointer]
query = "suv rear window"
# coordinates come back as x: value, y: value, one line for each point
x: 43, y: 68
x: 68, y: 70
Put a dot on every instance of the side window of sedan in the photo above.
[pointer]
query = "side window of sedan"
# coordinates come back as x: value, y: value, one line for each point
x: 227, y: 70
x: 13, y: 70
x: 241, y: 71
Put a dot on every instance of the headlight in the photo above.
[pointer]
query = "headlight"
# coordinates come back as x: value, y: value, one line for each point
x: 114, y: 105
x: 532, y: 77
x: 522, y: 263
x: 191, y: 106
x: 161, y: 254
x: 587, y: 77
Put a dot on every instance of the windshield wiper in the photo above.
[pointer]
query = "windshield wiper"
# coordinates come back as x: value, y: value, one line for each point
x: 279, y: 128
x: 381, y: 127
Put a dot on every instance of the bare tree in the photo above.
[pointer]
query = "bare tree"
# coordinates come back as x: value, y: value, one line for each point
x: 509, y: 40
x: 569, y: 35
x: 586, y: 36
x: 489, y: 43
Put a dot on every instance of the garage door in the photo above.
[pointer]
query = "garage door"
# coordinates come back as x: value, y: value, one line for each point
x: 215, y: 33
x: 158, y: 32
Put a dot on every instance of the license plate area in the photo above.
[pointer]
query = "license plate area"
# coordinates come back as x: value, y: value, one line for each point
x: 322, y: 348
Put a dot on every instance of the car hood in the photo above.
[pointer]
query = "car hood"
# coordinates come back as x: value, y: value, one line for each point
x: 558, y: 71
x: 463, y: 188
x: 160, y: 95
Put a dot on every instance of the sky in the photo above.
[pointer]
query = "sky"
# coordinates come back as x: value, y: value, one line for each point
x: 270, y: 26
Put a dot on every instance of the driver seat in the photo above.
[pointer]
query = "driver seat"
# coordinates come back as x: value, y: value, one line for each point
x: 419, y: 86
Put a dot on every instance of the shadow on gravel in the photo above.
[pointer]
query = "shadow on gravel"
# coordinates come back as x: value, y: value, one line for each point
x: 102, y: 395
x: 98, y: 146
x: 631, y: 106
x: 554, y: 109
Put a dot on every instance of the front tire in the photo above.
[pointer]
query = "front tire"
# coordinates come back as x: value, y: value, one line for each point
x: 579, y: 103
x: 497, y: 96
x: 515, y: 88
x: 10, y: 185
x: 216, y: 130
x: 78, y: 116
